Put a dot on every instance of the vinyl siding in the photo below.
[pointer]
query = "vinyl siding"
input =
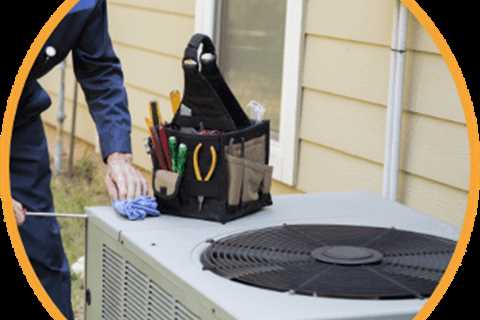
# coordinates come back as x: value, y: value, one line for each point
x: 344, y: 97
x: 345, y: 92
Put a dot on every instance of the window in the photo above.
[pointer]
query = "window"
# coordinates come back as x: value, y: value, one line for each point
x: 251, y: 46
x: 260, y: 49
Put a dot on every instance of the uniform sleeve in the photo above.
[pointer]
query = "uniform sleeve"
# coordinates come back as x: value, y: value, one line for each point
x: 99, y: 72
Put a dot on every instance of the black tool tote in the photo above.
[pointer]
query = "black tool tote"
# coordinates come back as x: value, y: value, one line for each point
x: 210, y: 121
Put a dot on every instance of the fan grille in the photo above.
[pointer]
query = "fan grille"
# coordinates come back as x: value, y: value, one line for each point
x: 333, y: 261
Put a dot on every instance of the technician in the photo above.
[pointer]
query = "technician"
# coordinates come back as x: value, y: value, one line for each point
x: 84, y: 33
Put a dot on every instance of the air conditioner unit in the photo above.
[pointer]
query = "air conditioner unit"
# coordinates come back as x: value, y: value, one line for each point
x: 171, y: 268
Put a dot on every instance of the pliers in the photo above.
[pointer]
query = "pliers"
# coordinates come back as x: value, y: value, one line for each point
x: 198, y: 174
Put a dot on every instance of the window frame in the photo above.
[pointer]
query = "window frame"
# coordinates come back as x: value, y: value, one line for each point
x: 284, y: 151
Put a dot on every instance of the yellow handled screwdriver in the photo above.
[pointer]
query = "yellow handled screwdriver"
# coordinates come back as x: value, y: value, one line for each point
x: 175, y: 100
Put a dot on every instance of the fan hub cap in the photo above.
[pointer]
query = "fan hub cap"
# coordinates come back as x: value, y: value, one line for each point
x: 347, y: 255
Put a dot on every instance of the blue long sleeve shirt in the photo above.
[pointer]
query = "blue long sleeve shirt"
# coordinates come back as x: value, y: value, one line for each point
x: 84, y: 33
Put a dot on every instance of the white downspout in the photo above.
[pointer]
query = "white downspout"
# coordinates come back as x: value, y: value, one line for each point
x: 205, y: 17
x: 395, y: 103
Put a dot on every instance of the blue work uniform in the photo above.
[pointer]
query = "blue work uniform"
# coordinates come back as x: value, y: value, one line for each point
x: 84, y: 33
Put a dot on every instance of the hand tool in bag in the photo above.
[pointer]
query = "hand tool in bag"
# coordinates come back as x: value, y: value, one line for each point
x: 178, y: 155
x: 149, y: 123
x: 172, y: 146
x: 162, y: 135
x: 175, y: 100
x: 181, y: 158
x: 198, y: 174
x: 196, y: 167
x: 157, y: 146
x: 155, y: 125
x: 206, y: 132
x: 156, y: 115
x: 148, y: 143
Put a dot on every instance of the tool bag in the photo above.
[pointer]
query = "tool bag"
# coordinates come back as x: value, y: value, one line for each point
x: 231, y: 177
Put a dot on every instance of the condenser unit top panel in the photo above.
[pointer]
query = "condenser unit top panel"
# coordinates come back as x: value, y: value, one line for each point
x: 175, y: 245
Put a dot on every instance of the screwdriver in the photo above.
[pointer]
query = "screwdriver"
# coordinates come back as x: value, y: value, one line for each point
x: 172, y: 146
x: 175, y: 99
x: 200, y: 201
x: 154, y: 114
x: 57, y: 215
x: 182, y: 158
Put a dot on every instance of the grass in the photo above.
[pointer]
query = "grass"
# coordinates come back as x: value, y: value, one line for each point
x: 85, y: 187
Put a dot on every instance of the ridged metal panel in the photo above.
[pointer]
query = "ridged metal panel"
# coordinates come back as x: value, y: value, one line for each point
x: 113, y: 269
x: 128, y: 293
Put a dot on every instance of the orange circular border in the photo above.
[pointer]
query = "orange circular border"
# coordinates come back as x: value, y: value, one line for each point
x: 472, y: 127
x: 5, y: 138
x: 414, y: 8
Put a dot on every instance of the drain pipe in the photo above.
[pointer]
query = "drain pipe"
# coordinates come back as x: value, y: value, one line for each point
x: 73, y: 129
x: 60, y: 121
x: 395, y: 103
x: 205, y: 17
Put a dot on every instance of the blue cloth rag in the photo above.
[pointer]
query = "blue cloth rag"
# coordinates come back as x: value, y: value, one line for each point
x: 137, y: 209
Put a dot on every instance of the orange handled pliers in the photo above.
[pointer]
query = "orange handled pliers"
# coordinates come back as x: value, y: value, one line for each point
x: 196, y: 167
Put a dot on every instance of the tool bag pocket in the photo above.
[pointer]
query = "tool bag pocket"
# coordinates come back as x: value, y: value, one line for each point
x: 226, y: 173
x: 257, y: 179
x: 249, y: 175
x: 166, y: 184
x: 248, y: 180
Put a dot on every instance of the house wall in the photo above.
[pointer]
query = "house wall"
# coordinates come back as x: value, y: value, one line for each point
x: 344, y: 97
x: 345, y: 90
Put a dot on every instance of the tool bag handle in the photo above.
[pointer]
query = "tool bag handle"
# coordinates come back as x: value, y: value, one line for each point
x: 206, y: 92
x: 191, y: 51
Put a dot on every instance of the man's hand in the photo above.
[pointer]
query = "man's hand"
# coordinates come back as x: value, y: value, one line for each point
x: 20, y: 212
x: 123, y: 180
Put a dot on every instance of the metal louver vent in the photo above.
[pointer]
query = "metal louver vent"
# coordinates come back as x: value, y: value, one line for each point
x: 112, y: 284
x: 128, y: 293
